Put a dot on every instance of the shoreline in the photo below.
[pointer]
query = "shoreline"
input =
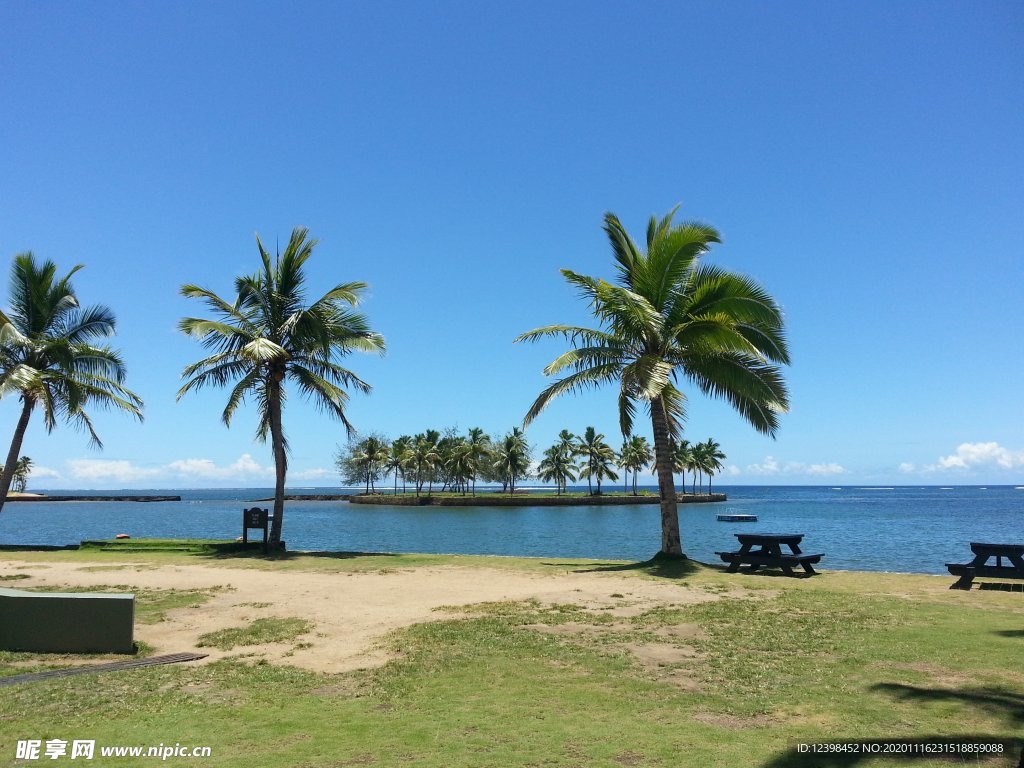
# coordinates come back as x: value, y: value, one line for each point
x: 43, y: 498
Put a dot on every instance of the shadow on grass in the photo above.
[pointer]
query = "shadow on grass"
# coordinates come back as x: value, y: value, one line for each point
x: 995, y: 701
x: 663, y: 566
x: 283, y: 555
x: 970, y: 748
x: 1009, y: 632
x: 1001, y: 586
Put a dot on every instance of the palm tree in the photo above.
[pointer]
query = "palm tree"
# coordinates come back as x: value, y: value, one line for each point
x: 635, y: 456
x: 22, y: 471
x: 670, y: 318
x: 682, y: 459
x: 398, y: 460
x: 425, y: 458
x: 599, y: 458
x: 373, y: 454
x: 48, y: 356
x: 21, y: 474
x: 479, y: 450
x: 711, y: 459
x: 558, y: 465
x: 268, y: 335
x: 512, y: 458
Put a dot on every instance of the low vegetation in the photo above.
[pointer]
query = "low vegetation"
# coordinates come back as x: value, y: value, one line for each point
x: 740, y: 680
x: 258, y: 632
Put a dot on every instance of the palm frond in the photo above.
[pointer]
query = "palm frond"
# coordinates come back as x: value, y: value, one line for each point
x: 754, y: 388
x: 591, y: 377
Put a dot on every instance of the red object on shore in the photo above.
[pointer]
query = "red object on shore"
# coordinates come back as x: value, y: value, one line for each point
x: 122, y: 536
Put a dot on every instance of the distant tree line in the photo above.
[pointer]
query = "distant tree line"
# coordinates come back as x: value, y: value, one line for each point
x: 454, y: 463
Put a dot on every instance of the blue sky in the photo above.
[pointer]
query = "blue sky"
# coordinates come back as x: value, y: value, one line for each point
x: 862, y: 160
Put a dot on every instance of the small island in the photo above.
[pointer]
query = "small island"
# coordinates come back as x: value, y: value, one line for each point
x: 527, y: 499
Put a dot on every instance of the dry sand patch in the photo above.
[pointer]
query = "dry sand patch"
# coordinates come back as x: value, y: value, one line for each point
x: 352, y: 612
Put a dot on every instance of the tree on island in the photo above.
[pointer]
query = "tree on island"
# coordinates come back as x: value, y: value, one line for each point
x: 267, y: 334
x: 669, y: 317
x: 49, y: 358
x: 364, y: 461
x: 682, y: 460
x: 512, y: 459
x: 598, y: 459
x: 708, y: 458
x: 22, y: 471
x: 559, y: 465
x: 635, y: 456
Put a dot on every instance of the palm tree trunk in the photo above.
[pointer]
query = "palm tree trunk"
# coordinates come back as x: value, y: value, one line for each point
x: 670, y: 543
x: 12, y: 455
x: 280, y: 461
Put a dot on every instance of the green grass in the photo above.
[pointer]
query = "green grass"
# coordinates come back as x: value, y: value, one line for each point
x: 259, y: 631
x: 736, y: 682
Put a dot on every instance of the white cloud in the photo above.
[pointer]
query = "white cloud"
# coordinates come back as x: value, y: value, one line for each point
x: 771, y: 466
x: 826, y: 469
x: 245, y: 467
x: 732, y: 470
x: 970, y: 455
x: 906, y: 467
x: 110, y: 470
x: 767, y: 467
x: 41, y: 473
x: 313, y: 474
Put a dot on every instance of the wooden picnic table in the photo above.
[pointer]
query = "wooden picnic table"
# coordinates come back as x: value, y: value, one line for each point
x: 768, y: 553
x: 983, y: 552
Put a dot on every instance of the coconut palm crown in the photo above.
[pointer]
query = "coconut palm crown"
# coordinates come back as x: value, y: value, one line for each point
x: 268, y: 335
x: 49, y: 356
x: 666, y: 320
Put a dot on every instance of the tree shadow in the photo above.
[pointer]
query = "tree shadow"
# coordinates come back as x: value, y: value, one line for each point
x: 257, y: 553
x: 1009, y: 632
x: 994, y: 701
x: 972, y: 748
x: 662, y: 566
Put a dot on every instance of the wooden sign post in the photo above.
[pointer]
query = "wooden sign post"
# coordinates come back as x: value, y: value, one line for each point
x: 255, y: 518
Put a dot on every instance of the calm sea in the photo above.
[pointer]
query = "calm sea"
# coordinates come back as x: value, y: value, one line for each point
x: 908, y: 529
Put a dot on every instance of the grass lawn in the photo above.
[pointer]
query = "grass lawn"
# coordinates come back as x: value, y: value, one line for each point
x: 739, y: 681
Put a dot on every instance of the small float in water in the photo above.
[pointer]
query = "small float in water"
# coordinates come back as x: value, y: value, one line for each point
x: 737, y: 518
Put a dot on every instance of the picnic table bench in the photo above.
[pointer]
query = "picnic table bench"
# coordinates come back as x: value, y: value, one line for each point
x: 769, y: 553
x: 983, y: 552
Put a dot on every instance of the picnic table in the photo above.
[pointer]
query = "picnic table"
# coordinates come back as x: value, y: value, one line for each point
x: 769, y: 553
x: 983, y: 552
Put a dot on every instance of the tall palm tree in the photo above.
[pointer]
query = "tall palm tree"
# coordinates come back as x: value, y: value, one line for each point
x: 512, y: 458
x: 599, y: 458
x: 372, y: 455
x: 711, y: 459
x: 425, y: 458
x: 268, y: 334
x: 667, y: 319
x: 479, y: 451
x: 558, y: 465
x: 49, y: 358
x: 682, y: 459
x: 635, y: 456
x: 398, y: 460
x: 21, y: 473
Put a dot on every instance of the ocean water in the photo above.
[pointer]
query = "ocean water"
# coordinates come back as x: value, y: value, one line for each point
x: 904, y: 529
